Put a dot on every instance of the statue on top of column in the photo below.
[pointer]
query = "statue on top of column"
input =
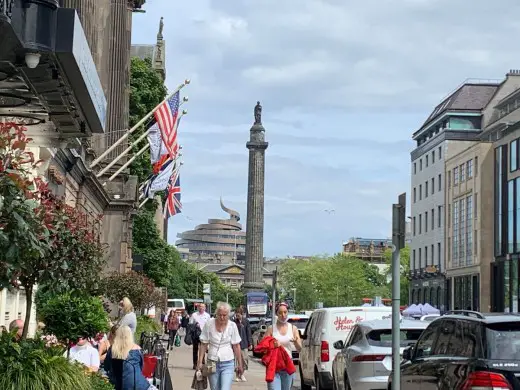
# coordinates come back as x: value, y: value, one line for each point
x: 161, y: 26
x: 258, y: 114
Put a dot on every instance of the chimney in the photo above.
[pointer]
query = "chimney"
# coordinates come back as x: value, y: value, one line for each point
x: 513, y: 72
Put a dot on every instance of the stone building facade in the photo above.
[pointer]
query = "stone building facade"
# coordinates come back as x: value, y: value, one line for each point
x: 469, y: 227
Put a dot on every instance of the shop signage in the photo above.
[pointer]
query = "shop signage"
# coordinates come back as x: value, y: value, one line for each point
x: 73, y: 52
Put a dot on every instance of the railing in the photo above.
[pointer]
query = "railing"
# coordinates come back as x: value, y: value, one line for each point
x: 6, y: 8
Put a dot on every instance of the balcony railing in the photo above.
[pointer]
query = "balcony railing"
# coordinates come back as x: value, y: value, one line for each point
x: 6, y: 8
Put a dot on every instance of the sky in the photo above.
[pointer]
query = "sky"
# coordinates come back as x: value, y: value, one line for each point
x: 343, y: 86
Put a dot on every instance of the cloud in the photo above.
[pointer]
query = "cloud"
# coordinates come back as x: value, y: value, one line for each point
x: 343, y: 86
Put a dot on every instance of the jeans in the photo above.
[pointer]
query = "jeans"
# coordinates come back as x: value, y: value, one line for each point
x: 282, y: 381
x: 171, y: 338
x: 223, y: 377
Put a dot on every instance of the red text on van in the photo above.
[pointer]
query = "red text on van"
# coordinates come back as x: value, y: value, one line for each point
x: 346, y: 323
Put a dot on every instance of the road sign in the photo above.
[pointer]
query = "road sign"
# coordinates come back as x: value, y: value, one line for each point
x: 206, y: 288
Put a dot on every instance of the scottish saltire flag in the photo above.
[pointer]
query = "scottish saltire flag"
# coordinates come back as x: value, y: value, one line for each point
x: 173, y: 204
x: 166, y: 117
x: 159, y: 181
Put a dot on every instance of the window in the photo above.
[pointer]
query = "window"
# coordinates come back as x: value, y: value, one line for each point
x: 469, y: 169
x: 440, y: 155
x: 426, y: 256
x: 462, y: 173
x: 469, y: 230
x: 433, y: 185
x: 439, y: 255
x: 499, y: 152
x: 439, y: 216
x: 423, y: 348
x: 439, y: 182
x: 455, y: 241
x: 510, y: 215
x: 475, y: 242
x: 475, y: 211
x: 420, y: 164
x: 513, y: 155
x: 449, y: 179
x: 455, y: 176
x: 433, y: 156
x: 433, y: 219
x: 420, y: 191
x: 414, y: 168
x: 449, y: 215
x: 426, y: 222
x: 414, y: 264
x: 420, y: 258
x: 426, y: 189
x: 383, y: 337
x: 476, y: 166
x: 420, y: 223
x: 415, y: 195
x: 414, y: 226
x: 433, y: 254
x: 426, y: 161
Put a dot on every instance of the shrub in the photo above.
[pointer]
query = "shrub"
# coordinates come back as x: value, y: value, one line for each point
x: 29, y: 365
x: 97, y: 382
x: 147, y: 324
x: 72, y: 315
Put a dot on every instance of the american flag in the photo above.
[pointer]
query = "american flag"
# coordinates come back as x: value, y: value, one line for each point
x: 166, y: 116
x: 173, y: 200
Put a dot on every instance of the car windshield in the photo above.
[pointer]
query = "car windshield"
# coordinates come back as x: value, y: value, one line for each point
x: 300, y: 323
x: 503, y: 341
x: 383, y: 337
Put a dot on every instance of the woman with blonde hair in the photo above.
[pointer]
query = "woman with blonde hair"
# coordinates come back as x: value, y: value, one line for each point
x: 124, y: 362
x: 128, y: 315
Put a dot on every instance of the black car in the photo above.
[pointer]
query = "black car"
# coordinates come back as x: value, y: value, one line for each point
x: 465, y: 350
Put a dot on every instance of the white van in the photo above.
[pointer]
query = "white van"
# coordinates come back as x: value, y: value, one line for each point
x: 325, y: 327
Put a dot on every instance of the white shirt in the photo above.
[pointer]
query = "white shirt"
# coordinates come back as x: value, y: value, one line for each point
x: 220, y: 343
x: 285, y: 340
x: 201, y: 319
x: 86, y: 355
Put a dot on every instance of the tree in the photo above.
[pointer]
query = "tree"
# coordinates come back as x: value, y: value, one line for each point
x: 133, y: 285
x: 69, y: 316
x: 42, y: 241
x: 336, y: 281
x: 404, y: 258
x: 147, y: 90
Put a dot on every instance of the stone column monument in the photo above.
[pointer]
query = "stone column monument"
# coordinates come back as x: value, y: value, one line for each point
x: 255, y: 206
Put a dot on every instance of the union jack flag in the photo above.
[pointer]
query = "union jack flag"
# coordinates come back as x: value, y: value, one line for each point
x: 173, y: 199
x: 166, y: 117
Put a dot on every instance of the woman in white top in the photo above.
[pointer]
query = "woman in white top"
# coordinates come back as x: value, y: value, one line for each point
x: 287, y: 336
x: 220, y: 338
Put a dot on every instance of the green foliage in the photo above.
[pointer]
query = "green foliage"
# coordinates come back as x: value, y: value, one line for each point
x: 404, y: 257
x: 29, y: 365
x: 135, y: 286
x: 72, y: 315
x: 97, y: 382
x: 147, y: 90
x: 336, y: 281
x: 147, y: 324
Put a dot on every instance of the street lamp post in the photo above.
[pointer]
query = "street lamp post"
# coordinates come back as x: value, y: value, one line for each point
x: 294, y: 297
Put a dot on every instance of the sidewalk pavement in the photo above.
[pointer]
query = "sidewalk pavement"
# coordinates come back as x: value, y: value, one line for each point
x: 181, y: 370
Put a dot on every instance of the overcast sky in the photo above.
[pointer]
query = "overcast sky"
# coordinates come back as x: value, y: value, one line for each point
x: 343, y: 85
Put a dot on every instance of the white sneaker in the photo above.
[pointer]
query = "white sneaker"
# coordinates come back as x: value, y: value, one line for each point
x: 243, y: 378
x: 237, y: 379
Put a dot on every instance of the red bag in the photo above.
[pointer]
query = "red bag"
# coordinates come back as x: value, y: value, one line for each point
x: 150, y: 362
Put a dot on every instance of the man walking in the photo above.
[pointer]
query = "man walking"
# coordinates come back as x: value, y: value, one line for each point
x: 198, y: 320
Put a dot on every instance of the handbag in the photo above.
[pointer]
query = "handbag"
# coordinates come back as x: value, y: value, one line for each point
x: 177, y: 341
x: 211, y: 365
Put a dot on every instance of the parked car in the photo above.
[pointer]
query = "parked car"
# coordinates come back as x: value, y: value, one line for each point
x: 465, y: 350
x: 365, y: 358
x: 430, y: 317
x: 325, y: 327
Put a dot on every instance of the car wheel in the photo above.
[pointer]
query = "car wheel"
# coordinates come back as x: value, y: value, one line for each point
x: 302, y: 382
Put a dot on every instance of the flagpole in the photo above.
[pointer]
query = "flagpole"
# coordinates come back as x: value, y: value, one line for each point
x: 136, y: 126
x: 141, y: 151
x: 129, y: 149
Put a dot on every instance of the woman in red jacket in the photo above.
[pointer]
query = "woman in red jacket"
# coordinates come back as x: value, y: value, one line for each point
x: 287, y: 336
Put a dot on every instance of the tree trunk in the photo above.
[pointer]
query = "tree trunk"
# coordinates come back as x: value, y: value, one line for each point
x: 28, y: 309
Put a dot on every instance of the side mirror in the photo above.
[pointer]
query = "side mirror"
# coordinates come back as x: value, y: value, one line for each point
x: 408, y: 353
x: 339, y: 344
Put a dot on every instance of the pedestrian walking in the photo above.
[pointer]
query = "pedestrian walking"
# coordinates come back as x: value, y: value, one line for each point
x: 173, y: 326
x: 198, y: 320
x: 220, y: 338
x: 244, y: 330
x: 287, y: 336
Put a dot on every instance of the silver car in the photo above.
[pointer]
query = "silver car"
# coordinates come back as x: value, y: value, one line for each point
x: 365, y: 359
